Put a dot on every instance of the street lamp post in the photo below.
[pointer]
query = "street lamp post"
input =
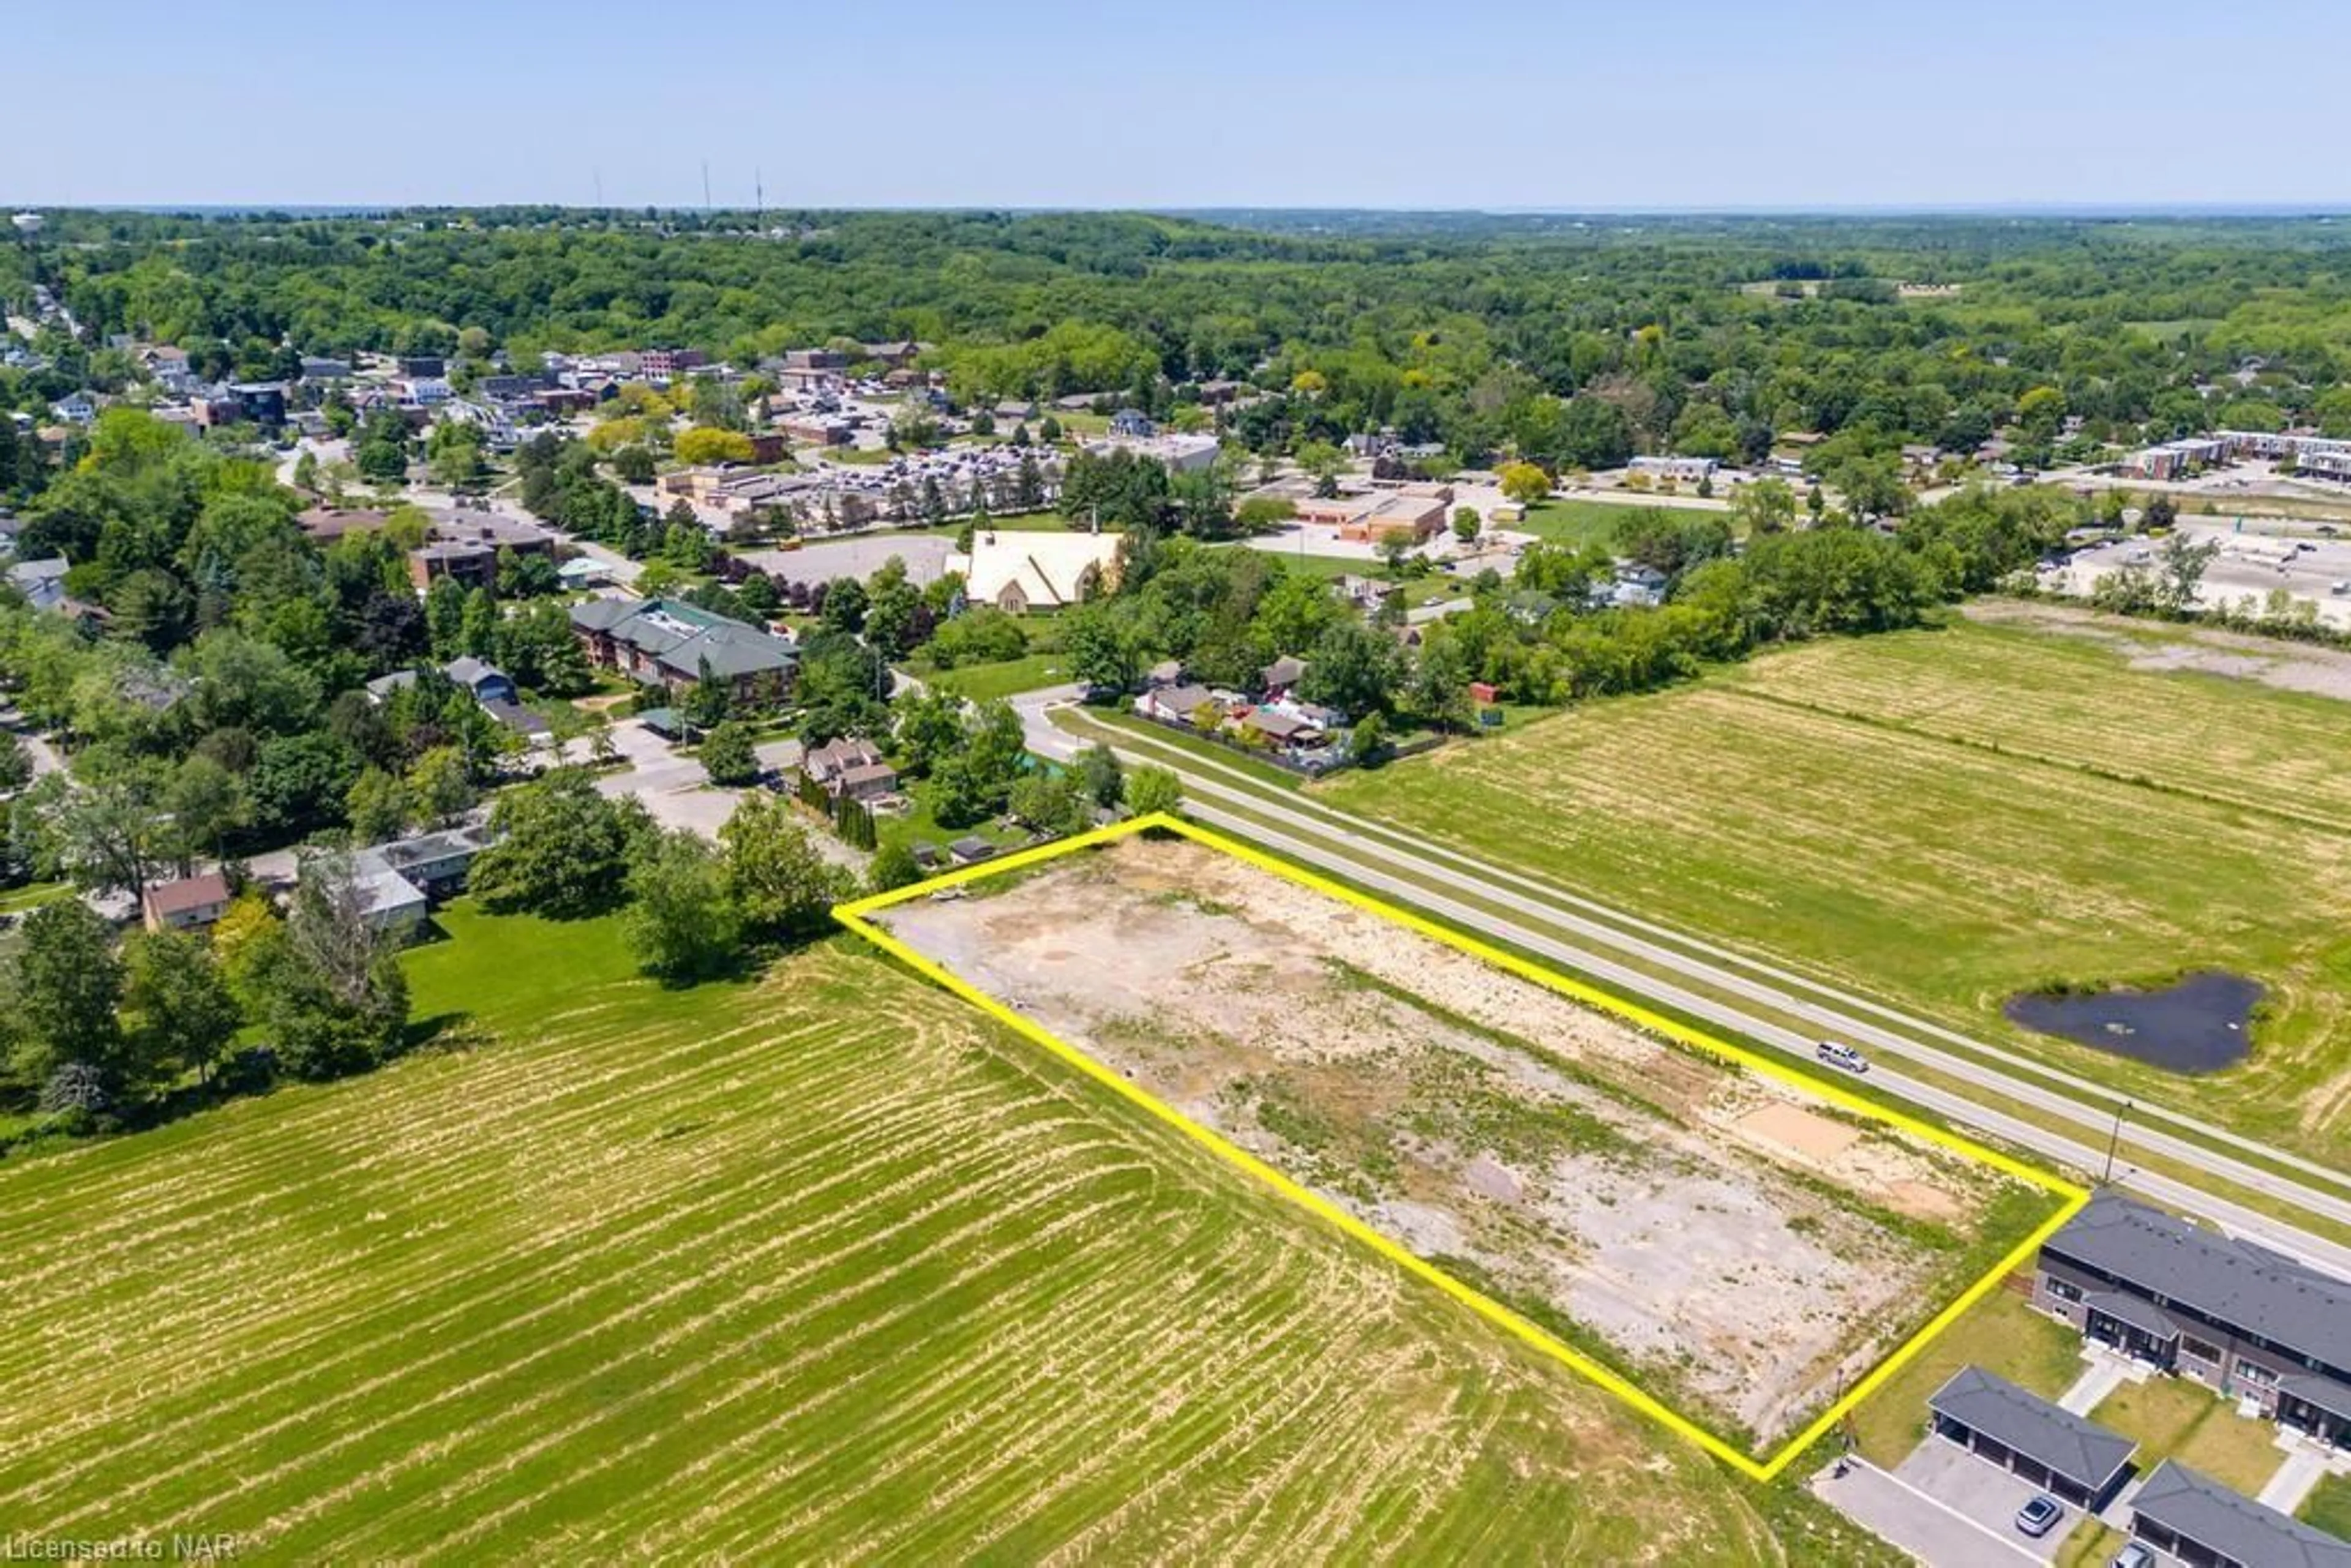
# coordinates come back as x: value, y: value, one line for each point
x: 2114, y: 1141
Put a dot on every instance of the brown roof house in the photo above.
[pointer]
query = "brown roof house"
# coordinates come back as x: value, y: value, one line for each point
x: 191, y: 904
x: 851, y: 766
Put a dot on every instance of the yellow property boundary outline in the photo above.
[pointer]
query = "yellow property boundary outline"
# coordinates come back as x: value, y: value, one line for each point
x: 853, y: 914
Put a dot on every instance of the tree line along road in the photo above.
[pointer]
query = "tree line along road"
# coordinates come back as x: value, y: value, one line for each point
x: 1416, y: 872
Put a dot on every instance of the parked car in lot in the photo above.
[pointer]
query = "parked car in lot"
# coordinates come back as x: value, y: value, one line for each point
x: 2138, y: 1554
x: 2040, y: 1516
x: 1843, y: 1056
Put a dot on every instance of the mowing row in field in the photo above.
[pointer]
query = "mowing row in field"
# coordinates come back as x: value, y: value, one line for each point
x: 1740, y: 1250
x: 1952, y: 819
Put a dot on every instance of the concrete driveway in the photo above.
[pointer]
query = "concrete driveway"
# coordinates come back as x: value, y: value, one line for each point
x: 672, y: 786
x: 1983, y: 1494
x: 1925, y: 1526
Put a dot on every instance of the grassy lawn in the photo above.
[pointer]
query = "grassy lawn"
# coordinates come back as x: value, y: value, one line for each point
x: 1429, y: 588
x: 31, y: 896
x: 917, y: 825
x: 2329, y: 1506
x: 1577, y: 521
x: 984, y: 683
x: 818, y: 1265
x: 2093, y: 1543
x: 2174, y: 1418
x: 2000, y: 1333
x: 1945, y: 818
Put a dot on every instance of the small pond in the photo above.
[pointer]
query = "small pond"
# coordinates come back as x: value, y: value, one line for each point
x: 2201, y: 1024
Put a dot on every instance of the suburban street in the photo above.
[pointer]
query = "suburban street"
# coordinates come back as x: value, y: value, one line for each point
x: 1407, y: 869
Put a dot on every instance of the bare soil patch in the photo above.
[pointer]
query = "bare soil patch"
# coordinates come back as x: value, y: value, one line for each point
x: 1740, y: 1248
x: 2207, y: 651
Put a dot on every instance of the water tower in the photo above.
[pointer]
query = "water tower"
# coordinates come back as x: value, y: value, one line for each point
x: 27, y: 224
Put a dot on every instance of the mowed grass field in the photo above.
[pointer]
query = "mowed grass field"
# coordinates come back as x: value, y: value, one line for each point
x: 818, y: 1267
x: 1945, y: 818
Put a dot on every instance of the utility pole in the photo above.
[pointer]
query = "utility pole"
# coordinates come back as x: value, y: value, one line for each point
x: 759, y: 199
x: 2114, y: 1141
x: 705, y: 187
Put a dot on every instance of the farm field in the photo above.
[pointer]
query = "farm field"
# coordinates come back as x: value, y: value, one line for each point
x: 1737, y: 1247
x: 1945, y: 818
x: 822, y: 1265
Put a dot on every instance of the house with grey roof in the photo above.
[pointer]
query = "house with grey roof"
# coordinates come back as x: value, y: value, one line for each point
x: 2202, y: 1523
x: 2254, y: 1324
x: 484, y: 680
x: 436, y: 865
x: 42, y: 582
x: 2025, y: 1434
x: 673, y: 643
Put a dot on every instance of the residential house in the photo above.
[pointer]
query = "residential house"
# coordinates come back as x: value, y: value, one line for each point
x: 259, y: 402
x: 75, y: 408
x: 485, y: 680
x: 433, y: 366
x: 1276, y: 679
x: 1134, y: 422
x: 1176, y: 704
x: 1284, y: 728
x: 1633, y: 587
x: 1018, y: 572
x: 970, y: 850
x: 191, y: 904
x: 42, y: 582
x: 380, y: 690
x: 851, y: 766
x: 673, y: 643
x: 320, y: 368
x: 2254, y: 1324
x: 2064, y: 1455
x: 2203, y: 1524
x: 389, y: 901
x: 898, y: 355
x: 1015, y: 410
x: 169, y: 365
x: 436, y: 863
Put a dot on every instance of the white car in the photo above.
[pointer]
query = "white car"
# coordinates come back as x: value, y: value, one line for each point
x: 1843, y: 1056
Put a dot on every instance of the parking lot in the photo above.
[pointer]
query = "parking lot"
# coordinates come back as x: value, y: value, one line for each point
x: 1945, y: 1507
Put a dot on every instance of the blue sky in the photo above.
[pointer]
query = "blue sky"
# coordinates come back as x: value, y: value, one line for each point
x: 1671, y: 103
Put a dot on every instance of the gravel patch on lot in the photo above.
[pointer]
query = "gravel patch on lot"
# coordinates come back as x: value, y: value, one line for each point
x: 1738, y: 1246
x: 2205, y: 651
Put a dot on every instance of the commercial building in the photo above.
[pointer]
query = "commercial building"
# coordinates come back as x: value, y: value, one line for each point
x: 1020, y: 570
x: 675, y: 643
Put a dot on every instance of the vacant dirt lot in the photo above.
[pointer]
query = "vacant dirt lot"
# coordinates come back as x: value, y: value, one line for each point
x: 1737, y: 1247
